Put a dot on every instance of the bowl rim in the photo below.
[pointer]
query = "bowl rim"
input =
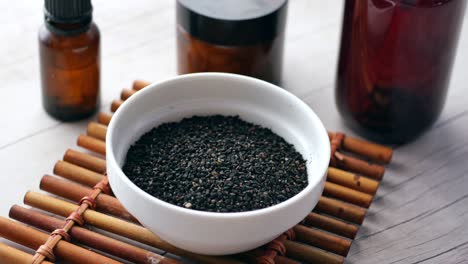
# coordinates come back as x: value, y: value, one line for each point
x: 260, y: 84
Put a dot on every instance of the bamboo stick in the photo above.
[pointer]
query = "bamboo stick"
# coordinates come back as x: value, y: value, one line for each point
x: 115, y: 105
x: 347, y: 194
x: 309, y: 254
x: 352, y: 180
x: 140, y: 84
x: 126, y: 93
x: 33, y: 239
x: 367, y: 149
x: 77, y: 174
x: 92, y: 144
x: 13, y: 255
x: 88, y: 238
x: 284, y: 260
x: 341, y: 210
x: 331, y: 225
x: 323, y: 240
x: 85, y: 160
x: 96, y: 130
x: 252, y: 255
x: 74, y: 192
x: 116, y: 226
x: 359, y: 166
x: 104, y: 118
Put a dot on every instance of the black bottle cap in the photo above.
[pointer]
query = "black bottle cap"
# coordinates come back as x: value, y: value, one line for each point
x: 77, y: 12
x: 232, y: 22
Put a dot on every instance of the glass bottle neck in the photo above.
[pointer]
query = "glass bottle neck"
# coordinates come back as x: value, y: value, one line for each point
x: 68, y: 29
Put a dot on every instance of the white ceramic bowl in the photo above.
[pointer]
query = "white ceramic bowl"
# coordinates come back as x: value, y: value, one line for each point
x: 253, y: 100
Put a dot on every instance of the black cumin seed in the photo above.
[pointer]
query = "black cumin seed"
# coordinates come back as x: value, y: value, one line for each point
x: 216, y: 163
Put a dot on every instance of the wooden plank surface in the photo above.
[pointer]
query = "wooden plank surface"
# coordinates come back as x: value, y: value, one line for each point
x: 421, y: 211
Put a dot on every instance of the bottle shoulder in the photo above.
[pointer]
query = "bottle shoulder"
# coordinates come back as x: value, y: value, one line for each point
x: 91, y: 36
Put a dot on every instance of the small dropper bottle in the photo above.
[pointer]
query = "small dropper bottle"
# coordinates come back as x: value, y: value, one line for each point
x: 69, y: 51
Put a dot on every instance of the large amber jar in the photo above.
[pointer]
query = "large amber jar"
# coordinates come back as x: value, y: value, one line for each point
x: 69, y: 52
x: 243, y: 37
x: 395, y: 64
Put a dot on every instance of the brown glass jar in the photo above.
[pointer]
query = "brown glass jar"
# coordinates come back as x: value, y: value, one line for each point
x: 243, y: 37
x: 395, y: 64
x: 69, y: 51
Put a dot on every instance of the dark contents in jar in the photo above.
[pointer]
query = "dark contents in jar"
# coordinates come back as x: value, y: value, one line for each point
x: 395, y: 63
x: 216, y: 164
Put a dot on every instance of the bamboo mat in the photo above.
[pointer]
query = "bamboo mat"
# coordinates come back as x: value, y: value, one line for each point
x: 80, y: 202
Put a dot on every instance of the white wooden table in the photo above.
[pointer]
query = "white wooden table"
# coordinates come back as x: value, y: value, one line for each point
x: 420, y: 214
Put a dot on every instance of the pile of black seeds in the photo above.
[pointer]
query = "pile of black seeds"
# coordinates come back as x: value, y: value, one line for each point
x: 217, y: 164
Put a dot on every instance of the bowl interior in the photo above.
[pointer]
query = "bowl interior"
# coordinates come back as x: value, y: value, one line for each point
x: 210, y: 93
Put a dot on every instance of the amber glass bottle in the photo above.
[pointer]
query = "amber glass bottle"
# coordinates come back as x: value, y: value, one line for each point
x: 395, y: 63
x: 244, y: 37
x: 69, y: 44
